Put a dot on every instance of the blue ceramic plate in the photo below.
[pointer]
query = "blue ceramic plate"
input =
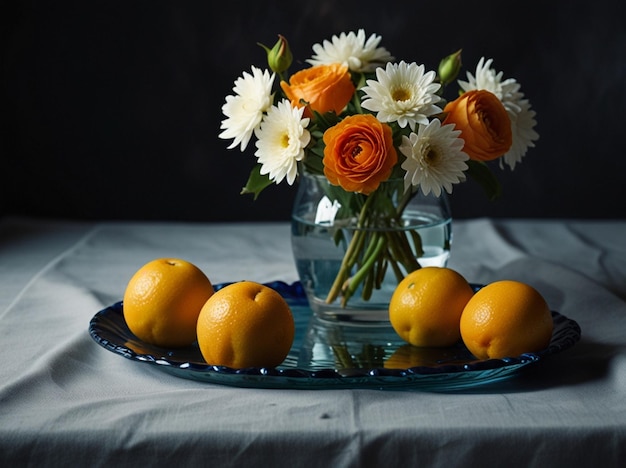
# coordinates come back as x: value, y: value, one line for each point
x: 330, y: 356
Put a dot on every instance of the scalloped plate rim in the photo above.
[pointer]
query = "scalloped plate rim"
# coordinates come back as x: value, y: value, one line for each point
x: 441, y: 377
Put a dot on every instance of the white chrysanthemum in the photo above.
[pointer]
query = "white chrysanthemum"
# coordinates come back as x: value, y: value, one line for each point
x: 522, y: 124
x: 244, y: 111
x: 486, y: 78
x: 282, y: 137
x: 353, y: 51
x: 434, y: 158
x: 518, y: 108
x: 403, y: 93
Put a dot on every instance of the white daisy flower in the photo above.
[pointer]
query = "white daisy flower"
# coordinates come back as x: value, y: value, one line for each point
x: 434, y: 158
x: 518, y: 108
x: 244, y: 111
x: 353, y: 51
x: 486, y: 78
x: 524, y: 135
x: 282, y: 137
x: 403, y: 93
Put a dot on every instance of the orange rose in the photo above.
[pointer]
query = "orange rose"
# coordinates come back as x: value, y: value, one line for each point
x: 324, y: 87
x: 359, y: 153
x: 484, y: 123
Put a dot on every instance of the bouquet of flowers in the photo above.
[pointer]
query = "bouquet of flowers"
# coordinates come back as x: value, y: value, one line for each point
x: 359, y: 118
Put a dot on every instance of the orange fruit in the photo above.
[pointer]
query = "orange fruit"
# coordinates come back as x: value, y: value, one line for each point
x: 426, y: 306
x: 245, y: 324
x: 162, y: 302
x: 505, y: 319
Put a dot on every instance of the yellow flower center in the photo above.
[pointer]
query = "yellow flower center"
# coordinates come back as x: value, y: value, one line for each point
x: 284, y: 141
x: 431, y: 156
x: 401, y: 94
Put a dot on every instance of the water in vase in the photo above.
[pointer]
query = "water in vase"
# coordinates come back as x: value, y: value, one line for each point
x: 318, y: 259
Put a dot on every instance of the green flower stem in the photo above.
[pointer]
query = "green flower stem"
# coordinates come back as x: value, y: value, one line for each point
x: 417, y: 244
x: 359, y: 276
x: 400, y: 253
x: 404, y: 252
x: 381, y: 270
x: 396, y: 269
x: 393, y: 256
x: 349, y: 259
x: 411, y: 255
x: 394, y: 253
x: 357, y: 103
x: 352, y: 252
x: 354, y: 249
x: 369, y: 283
x: 372, y: 252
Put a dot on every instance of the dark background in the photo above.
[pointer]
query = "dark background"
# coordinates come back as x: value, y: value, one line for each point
x: 112, y: 109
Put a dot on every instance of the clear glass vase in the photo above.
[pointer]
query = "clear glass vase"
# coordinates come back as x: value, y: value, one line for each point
x: 352, y: 250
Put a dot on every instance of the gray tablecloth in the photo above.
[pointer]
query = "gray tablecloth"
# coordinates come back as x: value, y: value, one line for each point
x: 66, y: 401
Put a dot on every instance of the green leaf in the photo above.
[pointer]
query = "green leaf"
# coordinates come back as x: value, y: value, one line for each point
x: 256, y: 182
x: 481, y: 173
x: 324, y: 121
x: 313, y: 161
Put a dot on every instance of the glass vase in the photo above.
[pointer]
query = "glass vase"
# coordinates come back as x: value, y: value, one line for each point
x: 352, y: 250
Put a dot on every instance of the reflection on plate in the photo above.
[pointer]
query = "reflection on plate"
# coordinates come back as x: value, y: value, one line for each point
x: 328, y: 355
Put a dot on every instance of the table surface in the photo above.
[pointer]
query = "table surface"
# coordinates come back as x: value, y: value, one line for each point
x: 66, y: 400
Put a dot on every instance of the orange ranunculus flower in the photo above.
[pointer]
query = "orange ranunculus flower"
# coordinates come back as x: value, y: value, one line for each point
x: 484, y: 123
x: 324, y: 87
x: 359, y: 153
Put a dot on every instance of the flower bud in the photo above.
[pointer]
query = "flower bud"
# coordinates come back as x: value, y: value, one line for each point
x: 279, y: 57
x: 449, y: 68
